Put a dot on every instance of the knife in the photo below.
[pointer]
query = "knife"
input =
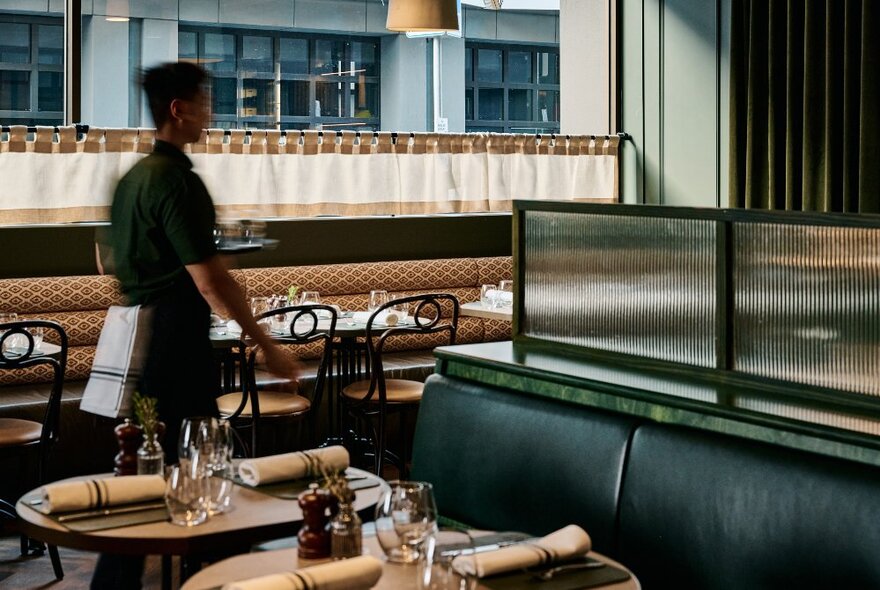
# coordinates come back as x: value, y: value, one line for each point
x: 110, y: 511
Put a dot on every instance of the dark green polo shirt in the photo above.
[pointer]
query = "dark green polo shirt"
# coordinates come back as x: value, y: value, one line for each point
x: 162, y: 218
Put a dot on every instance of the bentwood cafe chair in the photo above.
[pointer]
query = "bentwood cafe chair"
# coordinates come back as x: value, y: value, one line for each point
x: 22, y: 439
x: 372, y: 400
x: 299, y: 326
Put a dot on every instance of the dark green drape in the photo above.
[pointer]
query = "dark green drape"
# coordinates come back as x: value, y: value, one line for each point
x: 805, y: 105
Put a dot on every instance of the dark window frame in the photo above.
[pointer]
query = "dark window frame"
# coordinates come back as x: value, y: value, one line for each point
x: 505, y: 124
x: 33, y: 115
x: 277, y: 120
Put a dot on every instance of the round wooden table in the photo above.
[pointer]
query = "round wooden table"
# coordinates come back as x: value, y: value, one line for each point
x: 394, y: 576
x: 255, y: 517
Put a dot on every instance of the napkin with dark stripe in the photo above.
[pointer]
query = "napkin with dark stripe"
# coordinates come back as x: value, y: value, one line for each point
x: 565, y: 543
x: 101, y: 493
x: 356, y: 573
x: 255, y: 472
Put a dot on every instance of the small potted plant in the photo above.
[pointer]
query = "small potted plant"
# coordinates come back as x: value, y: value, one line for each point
x: 345, y: 526
x: 150, y: 456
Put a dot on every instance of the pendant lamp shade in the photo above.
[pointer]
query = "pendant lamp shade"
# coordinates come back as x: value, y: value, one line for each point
x: 422, y: 15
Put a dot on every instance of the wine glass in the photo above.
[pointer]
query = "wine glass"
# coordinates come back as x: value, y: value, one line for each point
x: 487, y: 296
x: 378, y: 298
x: 189, y: 442
x: 406, y: 516
x: 310, y: 297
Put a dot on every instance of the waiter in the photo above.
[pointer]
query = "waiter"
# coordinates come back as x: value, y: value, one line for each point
x: 161, y: 234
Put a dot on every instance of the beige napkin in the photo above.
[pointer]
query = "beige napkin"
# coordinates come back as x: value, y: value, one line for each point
x: 386, y: 318
x: 101, y: 493
x: 565, y: 543
x: 255, y: 472
x: 349, y: 574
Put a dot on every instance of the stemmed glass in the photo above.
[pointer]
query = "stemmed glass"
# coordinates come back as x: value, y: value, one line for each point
x: 406, y: 516
x: 310, y: 297
x: 378, y: 298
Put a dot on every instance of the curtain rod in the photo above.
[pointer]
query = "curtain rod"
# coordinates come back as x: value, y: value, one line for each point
x: 394, y: 135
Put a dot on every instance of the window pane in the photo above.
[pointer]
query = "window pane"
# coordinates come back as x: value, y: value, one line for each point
x: 548, y: 105
x: 51, y: 45
x: 491, y: 100
x: 223, y: 96
x: 15, y: 43
x: 294, y: 56
x: 187, y: 47
x: 363, y: 57
x: 329, y: 99
x: 256, y: 54
x: 329, y: 56
x: 468, y: 64
x: 469, y: 104
x: 15, y: 94
x: 217, y: 52
x: 294, y: 98
x: 489, y: 65
x: 257, y: 97
x: 365, y: 100
x: 519, y: 67
x: 548, y: 68
x: 519, y: 105
x: 50, y: 95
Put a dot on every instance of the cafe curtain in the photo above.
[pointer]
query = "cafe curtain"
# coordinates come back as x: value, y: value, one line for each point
x: 805, y: 105
x: 52, y: 177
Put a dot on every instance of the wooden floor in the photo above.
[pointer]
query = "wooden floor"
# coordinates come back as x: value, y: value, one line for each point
x: 32, y: 573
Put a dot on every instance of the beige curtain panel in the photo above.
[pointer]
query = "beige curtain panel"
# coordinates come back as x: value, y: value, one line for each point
x: 56, y: 175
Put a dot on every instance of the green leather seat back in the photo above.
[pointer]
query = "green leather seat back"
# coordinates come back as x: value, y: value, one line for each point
x: 506, y: 461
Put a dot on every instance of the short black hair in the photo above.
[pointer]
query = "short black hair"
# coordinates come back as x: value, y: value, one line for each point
x: 169, y: 81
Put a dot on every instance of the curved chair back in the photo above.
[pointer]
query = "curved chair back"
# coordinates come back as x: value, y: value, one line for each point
x: 425, y: 316
x: 298, y: 325
x: 18, y: 351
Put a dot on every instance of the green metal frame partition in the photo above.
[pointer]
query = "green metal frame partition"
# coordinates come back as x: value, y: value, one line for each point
x: 791, y: 392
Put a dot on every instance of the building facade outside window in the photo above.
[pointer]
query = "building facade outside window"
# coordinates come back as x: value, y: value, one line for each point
x: 511, y: 88
x: 31, y: 70
x: 270, y: 80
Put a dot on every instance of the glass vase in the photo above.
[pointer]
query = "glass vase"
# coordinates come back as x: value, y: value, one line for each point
x: 345, y: 533
x: 151, y: 457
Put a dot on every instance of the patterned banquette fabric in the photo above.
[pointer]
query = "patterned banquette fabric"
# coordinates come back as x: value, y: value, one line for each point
x: 79, y: 303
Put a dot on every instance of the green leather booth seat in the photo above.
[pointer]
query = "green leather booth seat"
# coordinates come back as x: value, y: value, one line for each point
x: 682, y: 508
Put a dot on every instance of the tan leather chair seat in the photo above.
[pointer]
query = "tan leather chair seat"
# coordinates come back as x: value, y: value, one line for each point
x: 15, y: 432
x: 397, y: 391
x: 272, y: 403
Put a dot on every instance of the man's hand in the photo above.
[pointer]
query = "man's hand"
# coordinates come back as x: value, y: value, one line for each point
x: 281, y: 364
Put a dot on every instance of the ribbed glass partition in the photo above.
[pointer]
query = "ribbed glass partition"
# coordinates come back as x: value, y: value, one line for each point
x: 807, y: 304
x: 630, y: 284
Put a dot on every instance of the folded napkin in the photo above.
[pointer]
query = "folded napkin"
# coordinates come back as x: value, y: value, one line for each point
x: 349, y: 574
x: 565, y: 543
x: 386, y: 318
x: 101, y: 493
x: 118, y: 361
x: 255, y: 472
x: 500, y: 296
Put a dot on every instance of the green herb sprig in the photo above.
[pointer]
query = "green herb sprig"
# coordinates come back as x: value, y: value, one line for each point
x: 146, y: 413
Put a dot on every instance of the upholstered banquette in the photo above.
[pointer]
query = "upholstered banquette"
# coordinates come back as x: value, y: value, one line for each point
x: 79, y: 305
x: 682, y: 508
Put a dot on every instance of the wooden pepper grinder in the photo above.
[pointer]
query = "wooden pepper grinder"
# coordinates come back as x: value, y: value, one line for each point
x: 129, y: 437
x: 318, y: 506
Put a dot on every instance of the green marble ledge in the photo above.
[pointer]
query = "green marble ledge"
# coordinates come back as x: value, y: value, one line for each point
x: 836, y: 424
